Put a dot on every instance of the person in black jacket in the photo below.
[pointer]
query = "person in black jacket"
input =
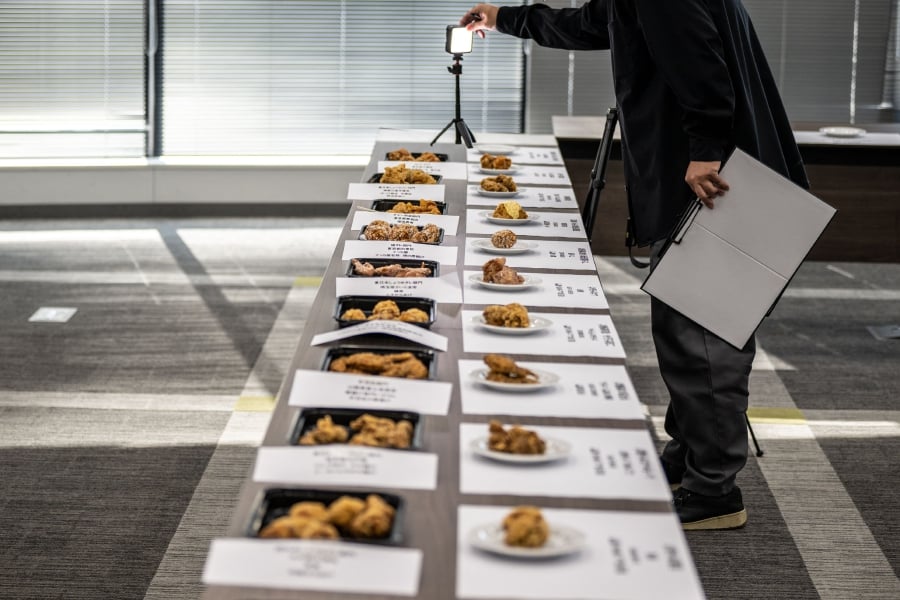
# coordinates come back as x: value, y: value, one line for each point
x: 691, y: 84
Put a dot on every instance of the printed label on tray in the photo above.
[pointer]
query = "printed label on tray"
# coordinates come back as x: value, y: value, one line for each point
x: 443, y: 289
x: 391, y: 191
x: 399, y: 329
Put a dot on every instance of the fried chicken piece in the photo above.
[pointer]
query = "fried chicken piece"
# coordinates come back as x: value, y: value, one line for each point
x: 515, y: 441
x: 362, y: 269
x: 299, y: 527
x: 428, y: 157
x: 381, y: 432
x: 422, y: 271
x: 353, y: 314
x: 385, y: 310
x: 510, y: 315
x: 496, y: 271
x: 419, y: 176
x: 410, y: 368
x: 309, y: 510
x: 423, y: 207
x: 325, y: 432
x: 510, y: 210
x: 342, y: 511
x: 505, y: 370
x: 500, y: 183
x: 394, y: 270
x: 504, y: 238
x: 400, y: 154
x: 375, y: 521
x: 377, y: 230
x: 414, y: 315
x: 402, y: 232
x: 401, y: 364
x: 525, y: 527
x: 429, y: 234
x: 489, y: 161
x: 394, y: 174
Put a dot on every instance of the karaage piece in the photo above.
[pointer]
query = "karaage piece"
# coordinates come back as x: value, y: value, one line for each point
x: 378, y: 230
x: 503, y: 369
x: 414, y: 315
x: 381, y: 432
x: 496, y: 271
x: 365, y: 269
x: 354, y: 314
x: 420, y: 177
x: 400, y: 154
x: 401, y: 364
x: 514, y: 441
x: 525, y: 527
x: 401, y: 174
x: 489, y: 161
x: 402, y: 232
x: 429, y: 234
x: 385, y: 310
x: 305, y: 528
x: 500, y: 183
x: 504, y: 238
x: 423, y: 207
x: 375, y: 521
x: 509, y: 315
x: 342, y: 511
x: 428, y: 157
x: 325, y: 432
x: 510, y: 210
x: 310, y: 510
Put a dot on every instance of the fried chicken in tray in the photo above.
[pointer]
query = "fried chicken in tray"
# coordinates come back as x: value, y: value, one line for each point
x: 402, y: 232
x: 401, y: 174
x: 400, y: 364
x: 346, y: 516
x: 404, y: 154
x: 387, y: 310
x: 496, y: 271
x: 516, y: 440
x: 510, y: 315
x: 365, y: 430
x: 503, y: 369
x: 365, y: 269
x: 429, y: 207
x: 325, y: 432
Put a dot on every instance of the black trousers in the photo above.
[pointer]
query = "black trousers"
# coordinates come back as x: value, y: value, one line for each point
x: 708, y: 382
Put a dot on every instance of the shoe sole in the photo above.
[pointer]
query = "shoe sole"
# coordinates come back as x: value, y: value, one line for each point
x: 730, y: 521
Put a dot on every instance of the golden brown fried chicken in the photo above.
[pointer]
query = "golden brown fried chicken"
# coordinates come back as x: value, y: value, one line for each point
x: 500, y: 183
x: 515, y: 441
x: 504, y: 369
x: 496, y: 271
x: 489, y: 161
x: 299, y: 527
x: 385, y: 310
x: 377, y: 230
x: 423, y: 207
x: 525, y: 527
x: 400, y: 154
x: 429, y: 234
x: 342, y: 511
x: 402, y: 364
x: 353, y: 314
x: 504, y: 239
x: 309, y: 510
x: 368, y: 270
x: 510, y: 210
x: 414, y: 315
x: 375, y: 521
x: 402, y: 232
x: 381, y: 432
x: 325, y: 432
x: 510, y: 315
x: 362, y: 269
x: 428, y: 157
x: 419, y: 176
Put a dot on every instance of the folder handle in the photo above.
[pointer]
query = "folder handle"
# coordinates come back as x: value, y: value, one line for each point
x: 686, y: 221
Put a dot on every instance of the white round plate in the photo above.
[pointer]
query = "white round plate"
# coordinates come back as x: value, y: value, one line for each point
x: 489, y: 216
x: 499, y: 194
x: 843, y: 132
x: 554, y: 450
x: 508, y: 171
x: 536, y: 324
x: 561, y: 542
x: 495, y: 148
x: 530, y: 281
x: 545, y: 380
x: 486, y: 245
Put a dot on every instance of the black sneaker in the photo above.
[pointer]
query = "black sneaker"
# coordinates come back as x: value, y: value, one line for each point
x: 673, y: 474
x: 710, y: 512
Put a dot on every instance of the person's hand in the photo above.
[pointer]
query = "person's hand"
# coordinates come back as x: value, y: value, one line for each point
x: 481, y: 18
x: 703, y: 177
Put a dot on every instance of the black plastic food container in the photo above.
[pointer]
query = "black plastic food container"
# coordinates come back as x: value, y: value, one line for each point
x: 440, y: 240
x: 427, y: 357
x: 377, y: 177
x: 384, y: 205
x: 441, y: 156
x: 367, y: 303
x: 344, y: 416
x: 403, y: 262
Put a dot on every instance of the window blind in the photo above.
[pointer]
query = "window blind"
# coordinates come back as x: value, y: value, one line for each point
x: 319, y: 77
x: 71, y: 78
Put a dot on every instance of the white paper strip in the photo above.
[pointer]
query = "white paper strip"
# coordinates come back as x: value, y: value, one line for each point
x: 546, y: 254
x: 399, y: 329
x: 530, y: 175
x: 445, y: 255
x: 627, y: 556
x: 526, y: 155
x: 555, y: 289
x: 567, y: 335
x: 532, y: 197
x: 341, y: 464
x: 443, y: 289
x: 345, y: 390
x: 602, y: 463
x: 449, y: 223
x: 448, y: 170
x: 313, y: 565
x: 393, y: 191
x: 550, y: 224
x: 583, y: 391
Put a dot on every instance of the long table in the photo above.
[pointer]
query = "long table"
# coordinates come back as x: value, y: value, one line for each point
x: 636, y: 548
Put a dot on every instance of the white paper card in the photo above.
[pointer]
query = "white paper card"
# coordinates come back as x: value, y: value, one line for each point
x: 546, y: 254
x: 399, y: 329
x: 532, y: 197
x: 555, y: 289
x: 445, y: 255
x: 602, y: 463
x: 627, y: 556
x: 567, y: 335
x: 52, y: 314
x: 584, y: 391
x: 313, y: 565
x: 342, y: 464
x: 347, y: 390
x: 530, y: 175
x: 448, y: 170
x: 394, y: 191
x: 547, y: 224
x: 449, y: 223
x: 526, y: 155
x: 443, y: 289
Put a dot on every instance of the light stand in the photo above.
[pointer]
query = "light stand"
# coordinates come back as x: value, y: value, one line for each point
x: 463, y: 133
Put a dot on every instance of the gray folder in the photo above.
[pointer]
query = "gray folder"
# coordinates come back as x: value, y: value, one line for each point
x: 725, y: 268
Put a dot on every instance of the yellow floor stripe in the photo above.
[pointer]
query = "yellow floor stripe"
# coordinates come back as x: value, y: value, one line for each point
x: 785, y: 416
x: 255, y: 404
x: 307, y: 282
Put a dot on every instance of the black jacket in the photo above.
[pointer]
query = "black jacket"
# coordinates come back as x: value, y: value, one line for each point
x: 691, y: 83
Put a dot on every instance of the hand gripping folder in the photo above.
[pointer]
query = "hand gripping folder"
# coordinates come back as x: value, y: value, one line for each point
x: 726, y: 268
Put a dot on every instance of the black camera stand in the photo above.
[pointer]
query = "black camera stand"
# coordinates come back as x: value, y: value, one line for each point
x: 463, y: 133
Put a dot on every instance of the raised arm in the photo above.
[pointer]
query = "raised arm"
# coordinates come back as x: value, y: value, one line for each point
x: 581, y: 28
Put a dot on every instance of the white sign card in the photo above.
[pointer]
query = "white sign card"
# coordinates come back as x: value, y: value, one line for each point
x: 395, y: 191
x: 546, y: 224
x: 443, y: 289
x: 348, y: 390
x: 533, y: 197
x: 601, y: 463
x: 449, y: 223
x: 445, y: 255
x: 526, y: 155
x: 448, y: 170
x: 565, y: 335
x: 584, y: 391
x: 626, y: 556
x: 343, y: 464
x: 320, y: 565
x: 555, y: 289
x: 399, y: 329
x: 530, y: 175
x: 545, y: 254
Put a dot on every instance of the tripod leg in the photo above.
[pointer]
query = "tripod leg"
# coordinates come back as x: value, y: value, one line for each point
x: 443, y: 131
x: 464, y: 133
x: 759, y: 451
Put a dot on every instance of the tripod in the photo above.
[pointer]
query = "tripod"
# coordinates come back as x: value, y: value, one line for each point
x: 463, y: 133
